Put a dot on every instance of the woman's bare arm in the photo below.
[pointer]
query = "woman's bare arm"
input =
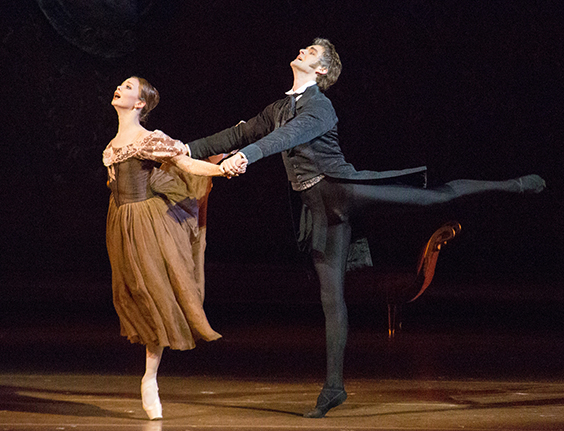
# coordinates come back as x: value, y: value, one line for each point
x: 197, y: 167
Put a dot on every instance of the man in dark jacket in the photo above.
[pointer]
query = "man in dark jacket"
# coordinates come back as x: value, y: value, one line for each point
x: 303, y: 127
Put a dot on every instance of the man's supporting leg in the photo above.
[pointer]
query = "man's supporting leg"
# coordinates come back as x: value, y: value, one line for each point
x: 330, y: 267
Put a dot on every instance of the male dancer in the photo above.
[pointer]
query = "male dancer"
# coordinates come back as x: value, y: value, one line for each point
x: 303, y: 127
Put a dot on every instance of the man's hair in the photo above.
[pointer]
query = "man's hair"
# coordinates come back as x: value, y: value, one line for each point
x: 329, y: 60
x: 149, y: 95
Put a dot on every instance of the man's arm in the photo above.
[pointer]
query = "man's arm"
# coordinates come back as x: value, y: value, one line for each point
x: 314, y: 120
x: 234, y: 137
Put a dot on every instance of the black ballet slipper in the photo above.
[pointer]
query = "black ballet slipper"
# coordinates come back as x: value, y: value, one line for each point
x: 327, y: 399
x: 531, y: 184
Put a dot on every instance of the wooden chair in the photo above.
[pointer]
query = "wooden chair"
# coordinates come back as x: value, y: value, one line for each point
x: 399, y: 293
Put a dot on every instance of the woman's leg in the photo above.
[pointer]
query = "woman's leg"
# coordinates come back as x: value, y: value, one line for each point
x: 149, y: 387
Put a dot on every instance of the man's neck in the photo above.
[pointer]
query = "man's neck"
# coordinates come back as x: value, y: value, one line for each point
x: 302, y: 88
x: 300, y: 79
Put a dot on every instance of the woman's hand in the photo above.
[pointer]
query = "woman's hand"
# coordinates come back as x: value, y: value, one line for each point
x: 234, y: 165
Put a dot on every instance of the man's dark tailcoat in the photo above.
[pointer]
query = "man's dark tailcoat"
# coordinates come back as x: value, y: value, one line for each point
x: 308, y: 141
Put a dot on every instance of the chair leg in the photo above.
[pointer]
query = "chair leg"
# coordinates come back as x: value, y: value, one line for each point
x: 394, y: 320
x: 398, y: 295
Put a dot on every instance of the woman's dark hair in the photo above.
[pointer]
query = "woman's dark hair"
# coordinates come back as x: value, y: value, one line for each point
x: 149, y: 95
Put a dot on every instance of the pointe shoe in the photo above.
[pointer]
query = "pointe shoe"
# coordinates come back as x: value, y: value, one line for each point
x: 531, y: 184
x: 151, y: 402
x: 327, y: 399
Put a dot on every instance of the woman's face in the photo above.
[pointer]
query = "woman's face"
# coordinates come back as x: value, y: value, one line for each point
x: 127, y: 94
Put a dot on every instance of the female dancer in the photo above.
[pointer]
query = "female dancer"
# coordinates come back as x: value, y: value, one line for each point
x: 152, y: 226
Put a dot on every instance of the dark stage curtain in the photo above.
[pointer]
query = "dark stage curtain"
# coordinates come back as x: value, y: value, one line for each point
x: 104, y: 28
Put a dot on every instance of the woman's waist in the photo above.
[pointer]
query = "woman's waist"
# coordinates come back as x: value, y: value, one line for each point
x: 127, y: 195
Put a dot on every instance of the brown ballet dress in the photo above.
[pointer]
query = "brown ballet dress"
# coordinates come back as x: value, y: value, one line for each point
x: 155, y: 241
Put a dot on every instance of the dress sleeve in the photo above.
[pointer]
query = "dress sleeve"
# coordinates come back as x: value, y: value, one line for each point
x: 160, y: 147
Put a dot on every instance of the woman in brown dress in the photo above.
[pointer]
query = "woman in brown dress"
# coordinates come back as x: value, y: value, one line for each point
x: 152, y: 235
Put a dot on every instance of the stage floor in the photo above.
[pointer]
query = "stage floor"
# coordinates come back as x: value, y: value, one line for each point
x: 460, y: 362
x: 110, y: 402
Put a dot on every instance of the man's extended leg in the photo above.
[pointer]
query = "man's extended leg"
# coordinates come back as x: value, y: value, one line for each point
x: 362, y: 194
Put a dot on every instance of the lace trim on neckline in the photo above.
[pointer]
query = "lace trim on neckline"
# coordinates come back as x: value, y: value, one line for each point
x: 113, y: 154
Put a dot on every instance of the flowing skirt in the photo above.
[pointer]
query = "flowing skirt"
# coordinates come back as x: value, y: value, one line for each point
x: 157, y: 275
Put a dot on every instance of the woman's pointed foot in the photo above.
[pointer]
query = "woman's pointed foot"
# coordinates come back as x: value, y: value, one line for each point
x: 151, y: 401
x: 327, y: 399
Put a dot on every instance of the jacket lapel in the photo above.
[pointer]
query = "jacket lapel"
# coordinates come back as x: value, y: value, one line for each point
x: 308, y: 94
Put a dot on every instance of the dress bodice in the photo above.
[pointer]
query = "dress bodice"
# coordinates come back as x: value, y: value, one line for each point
x: 131, y: 181
x: 131, y: 169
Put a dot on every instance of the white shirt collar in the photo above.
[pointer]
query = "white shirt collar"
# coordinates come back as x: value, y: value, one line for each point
x: 301, y: 89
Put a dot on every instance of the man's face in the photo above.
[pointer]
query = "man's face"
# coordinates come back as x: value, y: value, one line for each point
x: 308, y: 60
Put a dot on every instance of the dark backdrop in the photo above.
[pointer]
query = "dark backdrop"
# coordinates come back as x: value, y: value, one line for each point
x: 473, y: 89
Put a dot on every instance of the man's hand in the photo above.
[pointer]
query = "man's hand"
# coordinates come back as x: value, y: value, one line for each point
x: 234, y: 165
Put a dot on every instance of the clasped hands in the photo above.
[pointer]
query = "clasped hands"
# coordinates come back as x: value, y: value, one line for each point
x: 234, y: 165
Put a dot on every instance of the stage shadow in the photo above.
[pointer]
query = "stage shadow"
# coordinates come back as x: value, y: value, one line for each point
x: 12, y: 400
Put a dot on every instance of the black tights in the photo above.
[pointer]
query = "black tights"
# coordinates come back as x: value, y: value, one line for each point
x: 332, y: 203
x: 330, y: 267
